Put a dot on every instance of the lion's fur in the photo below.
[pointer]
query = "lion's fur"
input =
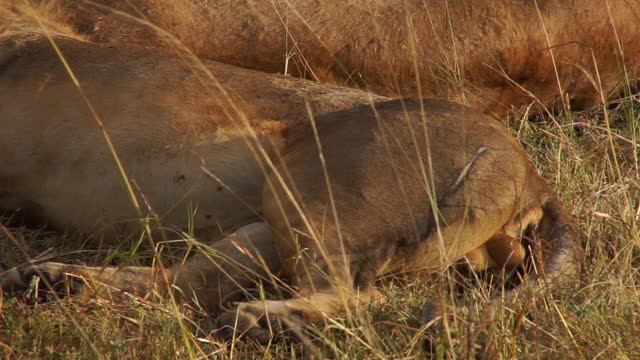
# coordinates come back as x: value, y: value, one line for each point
x: 167, y: 118
x: 490, y: 54
x: 393, y: 204
x: 416, y: 185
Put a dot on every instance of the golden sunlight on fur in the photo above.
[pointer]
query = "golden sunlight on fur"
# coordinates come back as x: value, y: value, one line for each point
x: 490, y: 54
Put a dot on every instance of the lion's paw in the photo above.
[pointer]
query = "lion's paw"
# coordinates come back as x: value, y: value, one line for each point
x: 39, y: 282
x: 252, y: 322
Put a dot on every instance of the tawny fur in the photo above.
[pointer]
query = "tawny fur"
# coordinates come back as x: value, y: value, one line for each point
x: 168, y: 120
x: 394, y: 204
x: 489, y: 54
x: 415, y: 185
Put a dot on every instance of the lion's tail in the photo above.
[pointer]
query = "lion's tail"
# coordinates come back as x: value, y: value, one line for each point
x: 558, y: 255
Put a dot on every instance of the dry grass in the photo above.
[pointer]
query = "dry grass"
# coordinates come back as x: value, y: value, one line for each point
x: 595, y: 170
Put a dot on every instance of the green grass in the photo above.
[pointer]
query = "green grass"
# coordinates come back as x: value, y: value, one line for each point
x: 598, y: 317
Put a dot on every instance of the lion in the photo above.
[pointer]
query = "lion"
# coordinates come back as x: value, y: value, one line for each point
x: 327, y: 188
x: 490, y: 55
x: 398, y: 199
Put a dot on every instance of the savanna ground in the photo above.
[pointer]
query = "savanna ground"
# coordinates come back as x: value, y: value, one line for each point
x: 591, y: 158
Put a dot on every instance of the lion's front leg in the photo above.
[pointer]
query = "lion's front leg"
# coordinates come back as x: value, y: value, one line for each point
x: 229, y: 268
x: 80, y: 280
x: 209, y: 278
